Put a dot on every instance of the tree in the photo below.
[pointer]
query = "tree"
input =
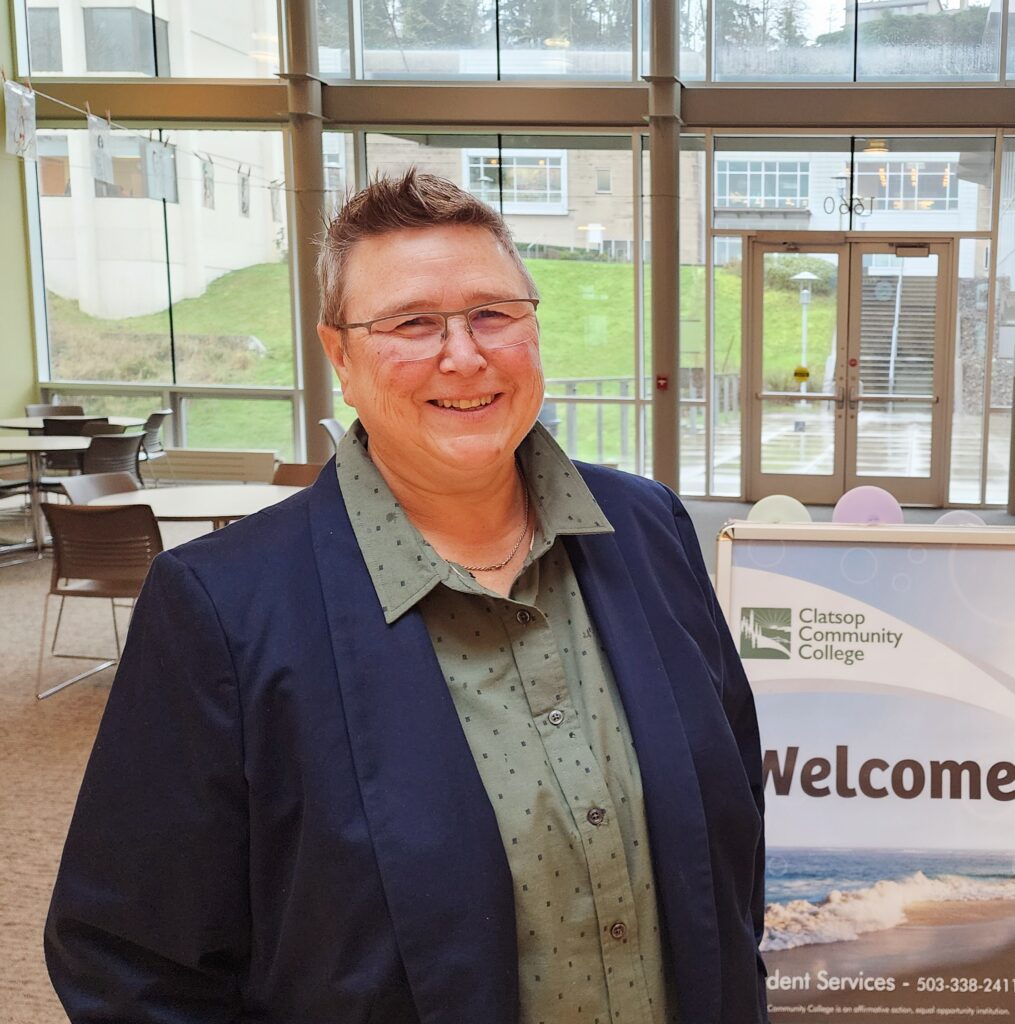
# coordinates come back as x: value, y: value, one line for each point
x: 788, y: 24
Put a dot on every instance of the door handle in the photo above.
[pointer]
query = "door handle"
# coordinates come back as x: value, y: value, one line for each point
x: 840, y: 396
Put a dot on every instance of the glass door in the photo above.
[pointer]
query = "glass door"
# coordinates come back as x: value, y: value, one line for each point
x: 798, y: 315
x: 847, y: 360
x: 900, y: 309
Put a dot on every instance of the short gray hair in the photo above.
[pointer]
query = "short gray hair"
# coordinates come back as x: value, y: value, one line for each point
x: 415, y: 200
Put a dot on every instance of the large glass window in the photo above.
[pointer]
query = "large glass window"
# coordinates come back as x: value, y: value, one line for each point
x: 518, y: 182
x: 909, y: 41
x: 442, y: 39
x: 922, y: 184
x: 874, y: 40
x: 781, y: 184
x: 693, y: 321
x: 184, y: 38
x: 968, y: 370
x: 1002, y: 368
x: 762, y: 40
x: 44, y: 40
x: 762, y: 184
x: 104, y: 262
x: 192, y: 290
x: 120, y: 39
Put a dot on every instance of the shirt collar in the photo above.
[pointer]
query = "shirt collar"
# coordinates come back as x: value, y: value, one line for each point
x: 403, y: 566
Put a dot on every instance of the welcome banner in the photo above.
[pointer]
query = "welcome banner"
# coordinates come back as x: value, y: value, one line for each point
x: 883, y: 665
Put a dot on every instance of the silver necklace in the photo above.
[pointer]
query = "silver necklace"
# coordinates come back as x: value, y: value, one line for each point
x: 518, y: 543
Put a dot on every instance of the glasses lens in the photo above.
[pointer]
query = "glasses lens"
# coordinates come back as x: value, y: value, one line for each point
x: 411, y: 327
x: 501, y: 323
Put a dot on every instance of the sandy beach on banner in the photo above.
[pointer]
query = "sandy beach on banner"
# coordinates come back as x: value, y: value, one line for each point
x: 958, y: 940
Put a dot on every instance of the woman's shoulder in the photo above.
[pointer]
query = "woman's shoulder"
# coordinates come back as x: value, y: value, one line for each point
x: 607, y: 483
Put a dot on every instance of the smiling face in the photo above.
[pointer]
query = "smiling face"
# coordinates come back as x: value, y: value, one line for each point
x: 457, y: 416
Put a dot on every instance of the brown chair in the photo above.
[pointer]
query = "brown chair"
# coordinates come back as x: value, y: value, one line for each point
x: 296, y: 474
x: 69, y: 462
x: 93, y: 428
x: 113, y: 453
x: 54, y: 410
x: 100, y: 552
x: 82, y: 489
x: 335, y: 430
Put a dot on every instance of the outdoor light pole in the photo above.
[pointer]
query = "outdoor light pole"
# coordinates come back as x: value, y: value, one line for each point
x: 804, y: 277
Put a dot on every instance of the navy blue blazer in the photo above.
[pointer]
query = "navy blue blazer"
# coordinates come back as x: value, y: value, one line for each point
x: 281, y: 820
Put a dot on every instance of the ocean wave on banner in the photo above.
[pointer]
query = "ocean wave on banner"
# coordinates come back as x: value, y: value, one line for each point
x: 845, y: 916
x: 926, y: 665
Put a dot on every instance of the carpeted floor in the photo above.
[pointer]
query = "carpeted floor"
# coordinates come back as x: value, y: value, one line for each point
x: 44, y: 747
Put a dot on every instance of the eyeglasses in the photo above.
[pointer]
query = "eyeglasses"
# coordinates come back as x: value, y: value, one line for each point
x: 422, y: 335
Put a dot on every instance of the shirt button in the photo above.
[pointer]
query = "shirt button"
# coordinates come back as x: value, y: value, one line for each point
x: 555, y: 717
x: 596, y: 816
x: 618, y: 930
x: 524, y: 617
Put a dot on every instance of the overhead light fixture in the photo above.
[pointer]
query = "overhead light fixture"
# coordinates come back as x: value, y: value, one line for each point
x: 876, y: 146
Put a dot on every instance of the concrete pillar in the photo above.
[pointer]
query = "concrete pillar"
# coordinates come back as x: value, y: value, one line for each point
x: 307, y: 206
x: 664, y: 137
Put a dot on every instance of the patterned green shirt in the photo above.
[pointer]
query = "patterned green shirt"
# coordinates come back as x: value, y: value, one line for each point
x: 541, y: 713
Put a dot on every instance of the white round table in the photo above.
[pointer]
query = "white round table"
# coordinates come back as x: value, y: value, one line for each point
x: 35, y: 448
x: 217, y: 503
x: 35, y: 422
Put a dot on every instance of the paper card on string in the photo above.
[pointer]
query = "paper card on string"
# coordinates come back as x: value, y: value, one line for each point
x: 19, y: 104
x: 208, y: 184
x: 169, y: 189
x: 152, y: 153
x: 276, y: 203
x: 244, y: 183
x: 100, y: 143
x: 160, y: 170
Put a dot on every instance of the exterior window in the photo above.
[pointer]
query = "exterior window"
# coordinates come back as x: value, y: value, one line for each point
x: 119, y: 39
x: 334, y: 168
x: 762, y: 184
x: 525, y: 180
x: 54, y: 165
x: 920, y: 185
x: 130, y: 177
x: 604, y: 180
x: 44, y: 50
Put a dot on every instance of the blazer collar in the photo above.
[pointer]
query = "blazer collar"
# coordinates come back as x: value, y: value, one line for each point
x: 434, y: 833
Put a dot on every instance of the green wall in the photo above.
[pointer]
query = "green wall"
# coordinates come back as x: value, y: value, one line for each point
x: 17, y: 331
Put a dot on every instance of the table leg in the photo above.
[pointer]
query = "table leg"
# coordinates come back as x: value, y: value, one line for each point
x: 38, y: 521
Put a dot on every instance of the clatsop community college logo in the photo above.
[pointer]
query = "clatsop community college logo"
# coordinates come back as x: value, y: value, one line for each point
x: 766, y: 632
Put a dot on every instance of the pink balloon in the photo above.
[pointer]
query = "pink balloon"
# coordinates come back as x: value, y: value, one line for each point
x: 867, y: 504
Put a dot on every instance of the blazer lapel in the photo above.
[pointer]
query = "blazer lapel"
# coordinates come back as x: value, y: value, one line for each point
x: 676, y: 819
x: 434, y: 832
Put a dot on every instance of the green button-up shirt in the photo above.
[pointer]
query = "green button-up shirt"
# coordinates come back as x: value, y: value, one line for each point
x: 541, y: 713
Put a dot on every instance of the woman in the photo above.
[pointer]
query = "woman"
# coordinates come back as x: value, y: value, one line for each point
x: 457, y: 735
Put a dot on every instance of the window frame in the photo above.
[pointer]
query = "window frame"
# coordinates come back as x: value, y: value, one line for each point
x: 549, y: 208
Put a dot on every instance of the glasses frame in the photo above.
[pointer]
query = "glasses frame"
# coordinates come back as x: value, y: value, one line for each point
x: 446, y: 315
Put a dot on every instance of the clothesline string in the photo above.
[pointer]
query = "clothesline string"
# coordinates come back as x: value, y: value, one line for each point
x: 202, y: 155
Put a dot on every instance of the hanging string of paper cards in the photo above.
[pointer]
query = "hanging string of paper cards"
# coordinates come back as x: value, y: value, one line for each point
x: 159, y: 156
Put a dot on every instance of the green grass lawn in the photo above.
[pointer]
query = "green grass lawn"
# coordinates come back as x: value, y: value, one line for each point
x: 586, y: 317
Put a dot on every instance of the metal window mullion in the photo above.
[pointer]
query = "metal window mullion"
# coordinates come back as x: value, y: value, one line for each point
x: 988, y: 351
x: 635, y: 40
x: 1003, y: 42
x: 638, y: 269
x: 709, y: 322
x: 357, y: 61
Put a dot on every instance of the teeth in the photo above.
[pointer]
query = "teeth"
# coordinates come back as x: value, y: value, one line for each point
x: 464, y: 403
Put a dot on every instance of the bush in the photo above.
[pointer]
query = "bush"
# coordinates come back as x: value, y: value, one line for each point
x: 779, y: 274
